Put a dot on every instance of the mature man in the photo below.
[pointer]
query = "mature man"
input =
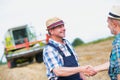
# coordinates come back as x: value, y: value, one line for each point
x: 59, y: 56
x: 114, y: 63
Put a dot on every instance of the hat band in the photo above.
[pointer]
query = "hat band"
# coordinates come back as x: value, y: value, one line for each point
x: 55, y: 24
x: 113, y: 15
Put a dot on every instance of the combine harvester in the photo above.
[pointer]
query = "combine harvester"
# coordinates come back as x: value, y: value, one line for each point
x: 21, y: 45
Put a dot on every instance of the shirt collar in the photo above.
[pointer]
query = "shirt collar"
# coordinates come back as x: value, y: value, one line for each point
x: 55, y: 42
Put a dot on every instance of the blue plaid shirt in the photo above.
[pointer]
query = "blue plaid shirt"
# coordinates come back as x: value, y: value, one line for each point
x: 114, y: 68
x: 53, y: 59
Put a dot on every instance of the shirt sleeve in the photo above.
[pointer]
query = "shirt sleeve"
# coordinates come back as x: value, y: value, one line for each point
x: 51, y: 58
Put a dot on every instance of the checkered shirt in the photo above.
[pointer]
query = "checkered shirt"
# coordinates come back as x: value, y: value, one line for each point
x: 53, y: 59
x: 114, y: 68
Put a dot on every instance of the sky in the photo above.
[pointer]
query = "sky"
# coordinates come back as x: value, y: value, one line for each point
x: 84, y: 19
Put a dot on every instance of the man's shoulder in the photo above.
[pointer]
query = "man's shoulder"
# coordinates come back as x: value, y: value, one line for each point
x: 48, y: 47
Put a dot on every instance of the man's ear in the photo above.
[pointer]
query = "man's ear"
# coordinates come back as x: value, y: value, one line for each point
x: 51, y: 31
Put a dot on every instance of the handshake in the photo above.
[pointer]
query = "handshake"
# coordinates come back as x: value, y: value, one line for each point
x: 89, y: 70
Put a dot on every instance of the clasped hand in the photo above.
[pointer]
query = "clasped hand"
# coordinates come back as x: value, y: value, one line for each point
x: 89, y: 70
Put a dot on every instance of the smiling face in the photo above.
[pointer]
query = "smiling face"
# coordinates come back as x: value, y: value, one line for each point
x: 58, y: 32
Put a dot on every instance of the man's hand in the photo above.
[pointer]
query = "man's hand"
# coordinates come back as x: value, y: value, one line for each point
x: 89, y: 70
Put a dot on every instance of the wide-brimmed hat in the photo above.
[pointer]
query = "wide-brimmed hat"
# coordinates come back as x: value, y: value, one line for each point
x: 53, y: 22
x: 115, y: 12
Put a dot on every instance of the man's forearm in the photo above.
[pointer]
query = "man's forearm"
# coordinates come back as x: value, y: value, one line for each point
x: 67, y: 71
x: 102, y: 67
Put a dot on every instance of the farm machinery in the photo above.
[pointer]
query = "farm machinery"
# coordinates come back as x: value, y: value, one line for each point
x: 21, y: 45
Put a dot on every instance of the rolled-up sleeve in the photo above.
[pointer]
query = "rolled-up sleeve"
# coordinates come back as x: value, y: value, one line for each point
x: 51, y: 59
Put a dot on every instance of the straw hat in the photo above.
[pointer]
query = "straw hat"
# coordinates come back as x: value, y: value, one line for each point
x: 115, y: 12
x: 53, y: 22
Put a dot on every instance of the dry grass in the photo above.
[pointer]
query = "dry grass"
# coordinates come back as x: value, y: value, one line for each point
x: 93, y: 54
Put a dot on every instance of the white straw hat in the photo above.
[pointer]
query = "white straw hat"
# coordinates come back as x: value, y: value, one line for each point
x: 53, y: 22
x: 115, y: 12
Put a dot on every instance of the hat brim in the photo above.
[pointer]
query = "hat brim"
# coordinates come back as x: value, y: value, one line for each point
x: 55, y: 24
x: 114, y: 16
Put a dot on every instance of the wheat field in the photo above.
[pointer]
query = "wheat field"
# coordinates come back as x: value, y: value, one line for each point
x: 93, y: 54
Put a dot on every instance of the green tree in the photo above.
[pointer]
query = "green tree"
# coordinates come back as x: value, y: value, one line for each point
x: 77, y: 42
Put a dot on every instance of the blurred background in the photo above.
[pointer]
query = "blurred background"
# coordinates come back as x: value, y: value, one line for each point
x: 83, y: 19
